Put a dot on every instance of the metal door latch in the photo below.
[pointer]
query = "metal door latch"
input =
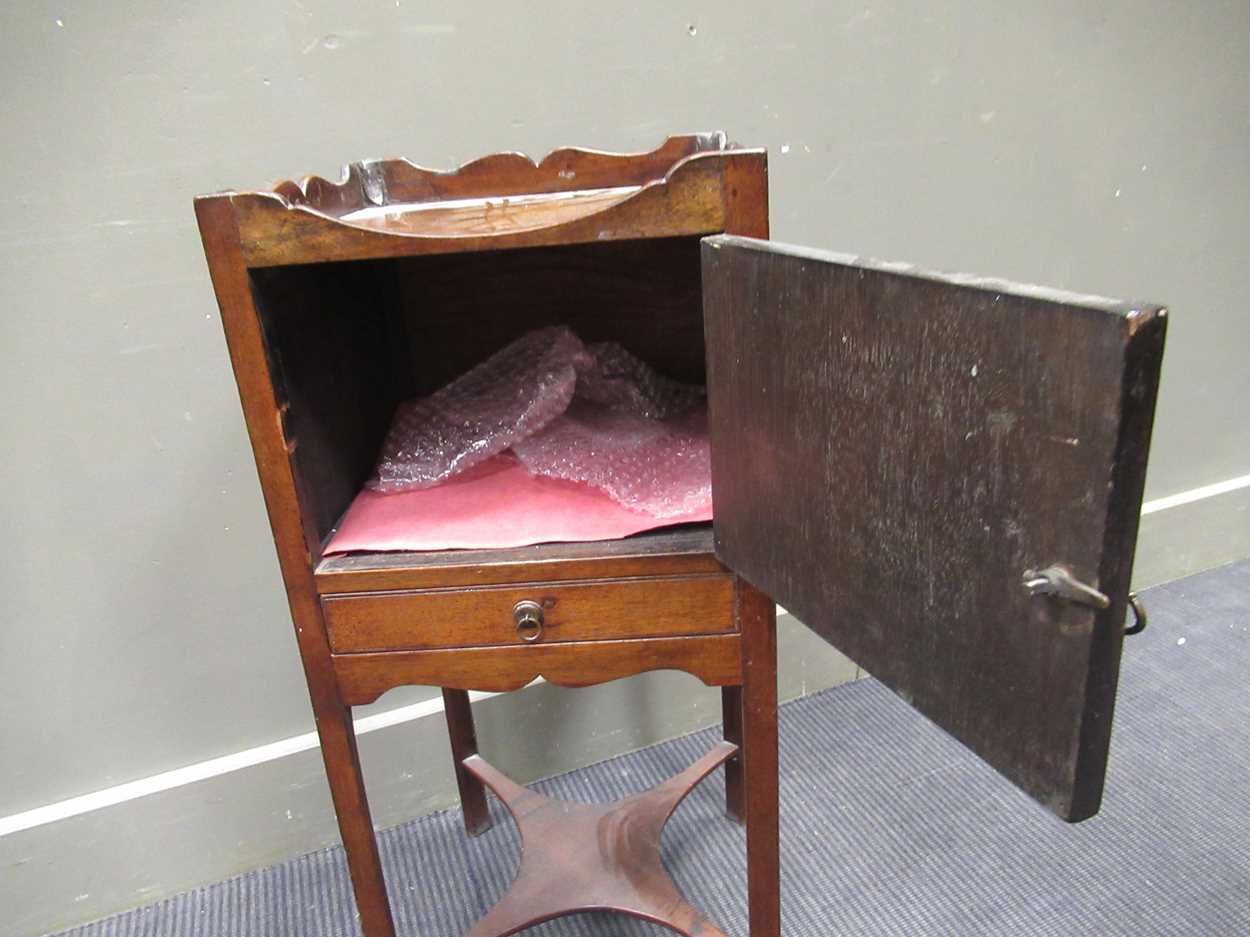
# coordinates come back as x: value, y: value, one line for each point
x: 1058, y: 581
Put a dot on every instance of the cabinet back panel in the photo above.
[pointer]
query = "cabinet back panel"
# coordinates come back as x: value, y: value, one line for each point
x: 646, y: 294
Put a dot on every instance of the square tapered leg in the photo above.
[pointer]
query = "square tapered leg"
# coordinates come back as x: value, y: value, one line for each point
x: 463, y: 737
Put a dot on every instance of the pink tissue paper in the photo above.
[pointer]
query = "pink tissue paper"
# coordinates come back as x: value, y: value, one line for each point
x: 494, y: 505
x: 546, y: 440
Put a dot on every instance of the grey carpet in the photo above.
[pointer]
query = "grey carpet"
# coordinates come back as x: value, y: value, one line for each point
x: 888, y: 826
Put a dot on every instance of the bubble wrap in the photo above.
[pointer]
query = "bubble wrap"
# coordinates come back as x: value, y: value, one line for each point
x: 636, y: 434
x: 656, y: 467
x: 618, y: 380
x: 513, y: 393
x: 596, y: 415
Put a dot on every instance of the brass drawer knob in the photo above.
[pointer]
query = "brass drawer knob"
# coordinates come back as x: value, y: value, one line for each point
x: 528, y: 616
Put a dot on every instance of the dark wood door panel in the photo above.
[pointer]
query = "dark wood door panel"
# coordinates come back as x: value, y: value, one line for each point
x: 892, y: 451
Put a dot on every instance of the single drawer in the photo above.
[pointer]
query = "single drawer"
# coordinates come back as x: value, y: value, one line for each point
x: 530, y: 614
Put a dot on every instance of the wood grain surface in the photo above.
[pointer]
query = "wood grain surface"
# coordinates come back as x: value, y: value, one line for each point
x: 892, y: 451
x: 294, y: 534
x: 686, y: 201
x: 362, y: 678
x: 757, y: 622
x: 645, y: 294
x: 669, y: 552
x: 330, y: 321
x: 581, y: 857
x: 577, y: 611
x: 462, y: 734
x: 374, y: 182
x: 338, y: 367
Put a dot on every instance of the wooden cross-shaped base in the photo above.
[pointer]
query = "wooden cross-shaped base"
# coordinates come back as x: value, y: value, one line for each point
x: 578, y: 857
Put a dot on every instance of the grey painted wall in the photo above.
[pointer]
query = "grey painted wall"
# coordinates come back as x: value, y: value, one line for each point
x: 1098, y: 147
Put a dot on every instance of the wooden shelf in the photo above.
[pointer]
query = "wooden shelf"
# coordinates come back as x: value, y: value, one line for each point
x: 669, y: 551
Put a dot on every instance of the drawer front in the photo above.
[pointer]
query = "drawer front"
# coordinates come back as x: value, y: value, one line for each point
x: 550, y: 612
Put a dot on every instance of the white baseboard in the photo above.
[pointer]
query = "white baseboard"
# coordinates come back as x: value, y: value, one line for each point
x: 283, y: 748
x: 271, y: 803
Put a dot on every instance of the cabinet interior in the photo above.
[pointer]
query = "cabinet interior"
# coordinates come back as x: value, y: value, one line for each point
x: 346, y: 342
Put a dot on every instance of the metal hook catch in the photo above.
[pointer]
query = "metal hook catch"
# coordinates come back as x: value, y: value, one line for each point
x: 1139, y: 615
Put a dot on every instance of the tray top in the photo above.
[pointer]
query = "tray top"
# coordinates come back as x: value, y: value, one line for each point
x: 393, y: 208
x: 488, y: 215
x: 375, y: 187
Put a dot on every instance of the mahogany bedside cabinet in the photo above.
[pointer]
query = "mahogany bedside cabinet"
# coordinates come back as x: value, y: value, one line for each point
x: 941, y: 475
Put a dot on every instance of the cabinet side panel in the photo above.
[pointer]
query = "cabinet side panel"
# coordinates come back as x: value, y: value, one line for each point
x: 263, y: 417
x: 337, y: 372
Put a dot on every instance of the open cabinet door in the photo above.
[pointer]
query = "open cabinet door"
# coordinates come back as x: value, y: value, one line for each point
x: 941, y: 476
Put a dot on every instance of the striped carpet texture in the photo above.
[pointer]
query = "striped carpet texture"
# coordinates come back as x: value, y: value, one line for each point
x: 888, y: 826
